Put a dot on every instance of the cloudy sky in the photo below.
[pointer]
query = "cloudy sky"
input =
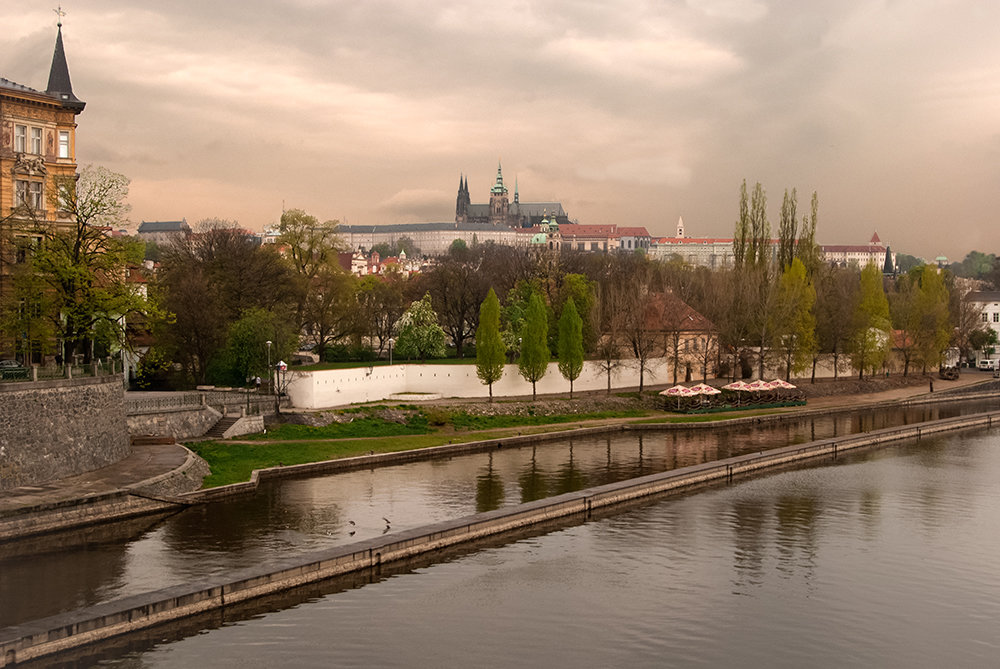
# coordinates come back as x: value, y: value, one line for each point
x: 628, y: 112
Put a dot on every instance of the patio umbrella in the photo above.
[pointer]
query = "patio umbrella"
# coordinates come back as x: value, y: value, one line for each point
x: 737, y: 385
x: 780, y: 383
x: 705, y: 389
x: 758, y: 386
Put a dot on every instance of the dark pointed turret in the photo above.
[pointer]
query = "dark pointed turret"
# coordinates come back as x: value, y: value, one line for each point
x: 60, y: 86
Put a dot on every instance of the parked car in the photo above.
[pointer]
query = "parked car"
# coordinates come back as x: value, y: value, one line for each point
x: 12, y: 369
x: 987, y: 364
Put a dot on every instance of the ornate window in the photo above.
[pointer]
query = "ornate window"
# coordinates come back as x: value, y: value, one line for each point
x: 36, y: 141
x: 20, y: 138
x: 29, y: 194
x: 64, y: 144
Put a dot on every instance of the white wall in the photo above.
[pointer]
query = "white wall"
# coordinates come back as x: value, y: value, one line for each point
x: 337, y: 387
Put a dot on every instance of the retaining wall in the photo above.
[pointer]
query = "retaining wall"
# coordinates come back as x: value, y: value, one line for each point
x: 59, y: 428
x: 66, y: 631
x: 151, y: 496
x: 180, y: 423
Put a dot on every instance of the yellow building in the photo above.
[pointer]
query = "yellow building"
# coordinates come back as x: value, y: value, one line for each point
x: 37, y: 149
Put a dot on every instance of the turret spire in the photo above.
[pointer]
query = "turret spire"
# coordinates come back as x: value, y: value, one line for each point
x: 60, y: 85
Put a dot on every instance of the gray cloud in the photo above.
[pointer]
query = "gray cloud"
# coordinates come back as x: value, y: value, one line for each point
x: 628, y: 112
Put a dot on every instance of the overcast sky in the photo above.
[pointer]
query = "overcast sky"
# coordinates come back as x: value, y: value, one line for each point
x: 628, y: 112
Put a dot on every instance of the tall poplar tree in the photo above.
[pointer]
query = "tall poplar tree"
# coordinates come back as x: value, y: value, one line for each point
x: 787, y: 230
x: 490, y: 349
x: 570, y: 344
x: 534, y: 360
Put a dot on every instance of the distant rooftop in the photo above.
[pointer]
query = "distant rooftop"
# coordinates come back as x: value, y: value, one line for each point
x: 164, y: 226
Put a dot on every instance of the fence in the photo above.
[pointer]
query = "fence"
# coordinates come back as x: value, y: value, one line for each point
x: 223, y: 401
x: 105, y: 367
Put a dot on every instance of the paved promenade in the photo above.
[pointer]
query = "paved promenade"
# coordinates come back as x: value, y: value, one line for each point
x: 149, y: 461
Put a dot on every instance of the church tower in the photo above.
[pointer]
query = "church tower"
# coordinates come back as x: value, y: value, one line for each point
x: 680, y: 227
x: 499, y: 204
x: 463, y: 201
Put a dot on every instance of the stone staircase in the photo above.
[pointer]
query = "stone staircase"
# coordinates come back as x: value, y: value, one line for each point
x: 218, y: 430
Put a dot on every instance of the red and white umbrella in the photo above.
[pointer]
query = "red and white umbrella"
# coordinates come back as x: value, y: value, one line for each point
x: 705, y: 389
x: 758, y: 386
x: 678, y: 391
x: 780, y: 383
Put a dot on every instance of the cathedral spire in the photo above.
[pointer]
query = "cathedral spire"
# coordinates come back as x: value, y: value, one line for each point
x: 60, y: 85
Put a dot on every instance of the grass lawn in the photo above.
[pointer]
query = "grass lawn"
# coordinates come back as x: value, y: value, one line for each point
x: 233, y: 462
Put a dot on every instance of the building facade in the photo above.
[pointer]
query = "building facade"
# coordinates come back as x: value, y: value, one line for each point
x: 37, y: 152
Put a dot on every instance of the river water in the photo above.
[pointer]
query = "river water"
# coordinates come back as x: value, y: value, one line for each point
x: 306, y: 514
x: 884, y: 559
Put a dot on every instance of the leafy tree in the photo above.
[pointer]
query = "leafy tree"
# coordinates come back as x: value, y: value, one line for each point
x: 420, y: 336
x: 458, y: 288
x: 580, y: 289
x: 935, y: 319
x: 490, y: 351
x: 330, y: 311
x: 871, y: 323
x: 534, y: 360
x: 380, y: 304
x: 904, y: 262
x: 570, y: 344
x: 211, y: 280
x: 246, y: 353
x: 836, y: 301
x: 796, y: 328
x: 81, y: 270
x: 312, y: 248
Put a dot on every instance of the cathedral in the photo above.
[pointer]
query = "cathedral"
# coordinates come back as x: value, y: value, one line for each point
x: 501, y: 211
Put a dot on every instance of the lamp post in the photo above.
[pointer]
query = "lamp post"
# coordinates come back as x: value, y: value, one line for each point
x: 391, y: 342
x: 269, y: 386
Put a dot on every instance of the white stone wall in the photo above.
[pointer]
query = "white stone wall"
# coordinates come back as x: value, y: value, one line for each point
x: 337, y: 387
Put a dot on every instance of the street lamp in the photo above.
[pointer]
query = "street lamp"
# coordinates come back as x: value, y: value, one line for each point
x: 391, y: 342
x: 269, y: 386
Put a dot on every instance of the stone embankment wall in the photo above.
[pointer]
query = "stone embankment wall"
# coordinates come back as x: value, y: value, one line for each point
x: 182, y: 423
x: 59, y: 428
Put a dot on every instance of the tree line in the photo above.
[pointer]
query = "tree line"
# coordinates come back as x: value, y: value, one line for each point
x: 222, y: 306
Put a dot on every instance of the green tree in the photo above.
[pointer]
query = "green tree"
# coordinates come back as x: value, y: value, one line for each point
x: 246, y: 354
x: 420, y: 336
x: 312, y: 249
x: 796, y: 328
x: 935, y: 329
x: 490, y: 351
x: 870, y: 343
x: 534, y: 360
x: 83, y: 271
x: 581, y: 290
x: 570, y: 344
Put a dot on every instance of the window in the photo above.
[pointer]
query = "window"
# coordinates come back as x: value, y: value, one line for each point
x: 996, y: 316
x: 64, y: 144
x: 20, y: 138
x: 36, y: 141
x: 25, y: 246
x: 986, y: 317
x: 29, y: 193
